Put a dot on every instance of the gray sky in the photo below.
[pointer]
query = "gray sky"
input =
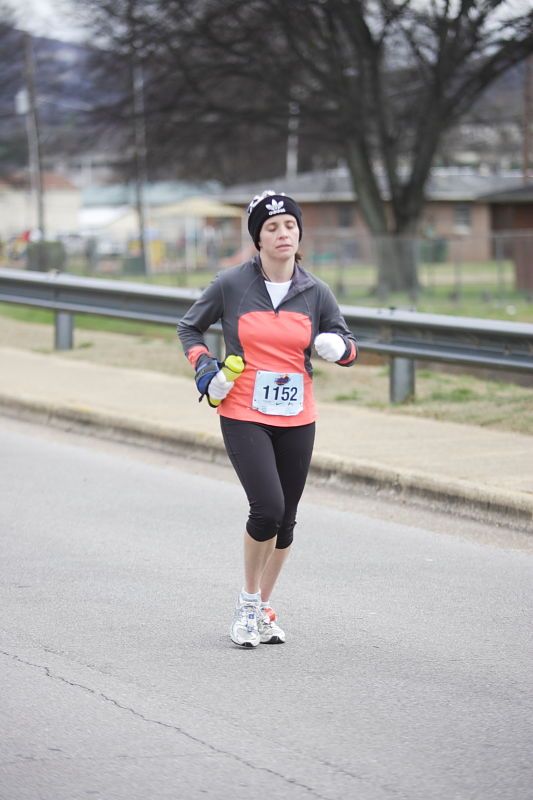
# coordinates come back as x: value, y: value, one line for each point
x: 54, y: 18
x: 51, y: 18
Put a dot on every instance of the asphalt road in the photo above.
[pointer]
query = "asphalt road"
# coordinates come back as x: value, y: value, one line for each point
x: 406, y: 674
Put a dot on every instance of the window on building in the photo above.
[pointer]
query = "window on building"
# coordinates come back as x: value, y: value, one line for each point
x: 462, y: 217
x: 346, y: 215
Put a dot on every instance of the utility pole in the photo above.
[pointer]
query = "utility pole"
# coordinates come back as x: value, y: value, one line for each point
x: 291, y: 168
x: 527, y: 120
x: 34, y: 145
x: 139, y: 132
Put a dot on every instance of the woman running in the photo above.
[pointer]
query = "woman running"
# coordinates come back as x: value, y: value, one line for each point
x: 273, y: 311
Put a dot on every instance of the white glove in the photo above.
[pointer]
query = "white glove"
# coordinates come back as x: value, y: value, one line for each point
x: 330, y: 346
x: 219, y: 387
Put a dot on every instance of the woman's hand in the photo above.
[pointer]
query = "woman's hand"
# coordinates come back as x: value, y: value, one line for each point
x: 330, y: 346
x: 219, y: 387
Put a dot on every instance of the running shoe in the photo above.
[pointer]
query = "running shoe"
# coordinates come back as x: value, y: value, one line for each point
x: 269, y: 630
x: 244, y: 631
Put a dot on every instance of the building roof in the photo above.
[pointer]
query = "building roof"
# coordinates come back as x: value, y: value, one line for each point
x: 160, y: 193
x: 20, y: 181
x: 335, y: 186
x: 198, y: 207
x: 521, y: 194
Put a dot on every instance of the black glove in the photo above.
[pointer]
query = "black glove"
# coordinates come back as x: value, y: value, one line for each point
x: 206, y: 369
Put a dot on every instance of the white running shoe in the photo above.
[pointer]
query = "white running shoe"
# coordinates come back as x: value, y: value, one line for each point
x: 269, y: 630
x: 244, y: 630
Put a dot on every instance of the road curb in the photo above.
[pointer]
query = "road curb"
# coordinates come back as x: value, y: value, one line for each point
x: 471, y: 500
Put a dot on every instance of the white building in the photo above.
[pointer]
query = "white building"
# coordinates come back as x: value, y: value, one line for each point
x: 18, y: 206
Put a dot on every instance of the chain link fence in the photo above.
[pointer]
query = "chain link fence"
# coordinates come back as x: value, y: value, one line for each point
x: 495, y: 266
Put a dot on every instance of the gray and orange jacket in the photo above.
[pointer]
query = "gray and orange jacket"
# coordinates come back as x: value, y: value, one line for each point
x: 278, y: 340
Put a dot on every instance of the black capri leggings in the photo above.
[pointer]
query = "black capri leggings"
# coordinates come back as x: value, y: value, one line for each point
x: 272, y: 464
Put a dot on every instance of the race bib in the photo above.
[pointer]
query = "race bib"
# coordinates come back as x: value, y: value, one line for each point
x: 280, y: 393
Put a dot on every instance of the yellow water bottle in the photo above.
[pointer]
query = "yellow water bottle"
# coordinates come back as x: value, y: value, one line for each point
x: 232, y: 368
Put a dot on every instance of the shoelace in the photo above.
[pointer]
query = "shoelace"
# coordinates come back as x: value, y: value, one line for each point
x: 244, y: 612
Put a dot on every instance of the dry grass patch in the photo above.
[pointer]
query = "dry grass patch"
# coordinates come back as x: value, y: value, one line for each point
x: 439, y: 395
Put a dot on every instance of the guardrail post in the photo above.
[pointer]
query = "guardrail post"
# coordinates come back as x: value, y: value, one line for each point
x: 401, y: 380
x: 64, y: 331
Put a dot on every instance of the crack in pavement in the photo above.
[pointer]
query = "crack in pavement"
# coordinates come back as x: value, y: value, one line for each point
x: 168, y: 725
x: 65, y: 654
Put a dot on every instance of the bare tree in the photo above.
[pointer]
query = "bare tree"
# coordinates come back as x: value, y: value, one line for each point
x: 13, y: 142
x: 378, y: 82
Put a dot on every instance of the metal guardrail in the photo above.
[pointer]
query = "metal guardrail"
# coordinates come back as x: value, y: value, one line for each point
x: 404, y: 336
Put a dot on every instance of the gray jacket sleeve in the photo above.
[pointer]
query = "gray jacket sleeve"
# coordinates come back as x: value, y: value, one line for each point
x: 207, y: 310
x: 332, y: 321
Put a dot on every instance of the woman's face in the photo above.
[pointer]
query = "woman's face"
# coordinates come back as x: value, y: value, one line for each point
x: 279, y: 237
